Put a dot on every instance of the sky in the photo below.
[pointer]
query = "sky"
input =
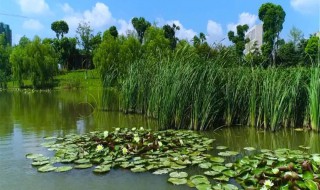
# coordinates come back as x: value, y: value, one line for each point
x: 212, y: 17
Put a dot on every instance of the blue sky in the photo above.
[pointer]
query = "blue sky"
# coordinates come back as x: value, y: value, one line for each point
x: 212, y: 17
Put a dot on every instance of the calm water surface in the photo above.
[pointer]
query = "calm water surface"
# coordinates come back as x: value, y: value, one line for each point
x: 25, y: 118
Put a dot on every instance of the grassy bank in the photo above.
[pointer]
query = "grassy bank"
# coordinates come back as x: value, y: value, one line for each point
x: 79, y: 79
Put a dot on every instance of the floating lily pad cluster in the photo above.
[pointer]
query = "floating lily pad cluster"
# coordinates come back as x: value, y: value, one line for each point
x: 167, y: 152
x: 139, y: 150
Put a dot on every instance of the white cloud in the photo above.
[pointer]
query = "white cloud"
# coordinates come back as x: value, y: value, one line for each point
x: 66, y: 8
x: 244, y: 18
x: 183, y: 33
x: 125, y: 27
x: 99, y: 17
x: 32, y: 24
x: 306, y: 6
x: 33, y: 6
x: 214, y: 32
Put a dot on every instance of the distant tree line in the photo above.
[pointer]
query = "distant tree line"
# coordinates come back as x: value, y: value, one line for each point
x: 112, y: 54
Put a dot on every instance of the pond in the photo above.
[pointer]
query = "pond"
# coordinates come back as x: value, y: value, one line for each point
x: 26, y: 117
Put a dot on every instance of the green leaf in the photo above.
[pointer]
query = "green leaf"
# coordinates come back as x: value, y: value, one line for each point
x: 307, y: 175
x: 47, y: 168
x: 63, y: 168
x: 178, y: 174
x: 311, y: 184
x: 177, y: 181
x: 217, y: 159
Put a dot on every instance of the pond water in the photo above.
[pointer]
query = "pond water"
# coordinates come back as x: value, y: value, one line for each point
x: 27, y: 117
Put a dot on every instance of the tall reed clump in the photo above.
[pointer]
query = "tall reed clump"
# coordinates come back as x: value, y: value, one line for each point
x: 182, y: 90
x: 314, y: 98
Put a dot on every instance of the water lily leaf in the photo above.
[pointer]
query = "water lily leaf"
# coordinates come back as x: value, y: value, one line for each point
x: 177, y: 181
x: 222, y: 178
x: 40, y: 163
x: 219, y: 168
x: 212, y: 173
x: 199, y: 179
x: 47, y: 168
x: 82, y: 161
x: 249, y: 148
x: 138, y: 169
x: 178, y: 174
x: 217, y: 159
x: 33, y: 156
x: 228, y: 153
x: 230, y: 187
x: 221, y: 147
x: 229, y: 173
x: 177, y: 167
x: 83, y: 166
x: 311, y: 184
x: 162, y: 171
x: 203, y: 186
x: 299, y: 129
x: 304, y: 147
x: 102, y: 169
x: 63, y: 168
x: 205, y: 165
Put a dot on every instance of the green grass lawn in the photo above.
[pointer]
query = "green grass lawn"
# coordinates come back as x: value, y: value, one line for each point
x: 79, y: 79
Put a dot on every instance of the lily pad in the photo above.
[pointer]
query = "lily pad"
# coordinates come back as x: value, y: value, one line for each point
x: 102, y: 169
x: 177, y: 181
x: 249, y: 148
x: 205, y: 165
x: 83, y: 166
x: 217, y: 159
x: 33, y: 156
x: 221, y: 147
x: 228, y: 153
x: 47, y: 168
x: 63, y: 168
x: 203, y: 186
x: 162, y: 171
x: 178, y: 174
x: 212, y: 173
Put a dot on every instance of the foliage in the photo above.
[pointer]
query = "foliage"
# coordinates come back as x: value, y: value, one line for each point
x: 140, y: 25
x: 273, y: 17
x: 60, y: 28
x: 239, y: 40
x: 312, y: 49
x: 113, y: 31
x: 36, y: 61
x: 170, y: 33
x: 5, y: 67
x: 288, y: 55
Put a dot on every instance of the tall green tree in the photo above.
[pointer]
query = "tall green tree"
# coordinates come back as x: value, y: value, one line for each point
x: 87, y: 42
x: 35, y: 61
x: 239, y: 40
x: 60, y: 27
x: 140, y: 25
x: 155, y: 43
x: 273, y: 17
x: 312, y: 49
x: 170, y: 33
x: 295, y: 36
x: 113, y: 31
x: 5, y: 66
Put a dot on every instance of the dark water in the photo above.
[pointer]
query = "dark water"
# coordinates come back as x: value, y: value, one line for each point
x: 26, y: 117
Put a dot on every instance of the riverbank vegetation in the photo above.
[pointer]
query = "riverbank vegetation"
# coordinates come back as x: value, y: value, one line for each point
x: 183, y: 84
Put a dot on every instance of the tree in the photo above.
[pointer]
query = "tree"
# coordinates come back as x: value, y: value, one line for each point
x: 273, y: 17
x: 155, y: 42
x: 113, y: 31
x: 170, y: 33
x: 202, y: 47
x: 5, y: 67
x: 87, y: 41
x: 295, y: 36
x: 239, y: 40
x: 312, y: 49
x: 36, y: 61
x: 60, y: 27
x: 140, y: 25
x: 287, y: 54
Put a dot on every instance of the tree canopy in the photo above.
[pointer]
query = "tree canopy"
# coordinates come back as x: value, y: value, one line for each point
x: 239, y: 40
x: 273, y: 17
x: 60, y: 27
x: 140, y: 25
